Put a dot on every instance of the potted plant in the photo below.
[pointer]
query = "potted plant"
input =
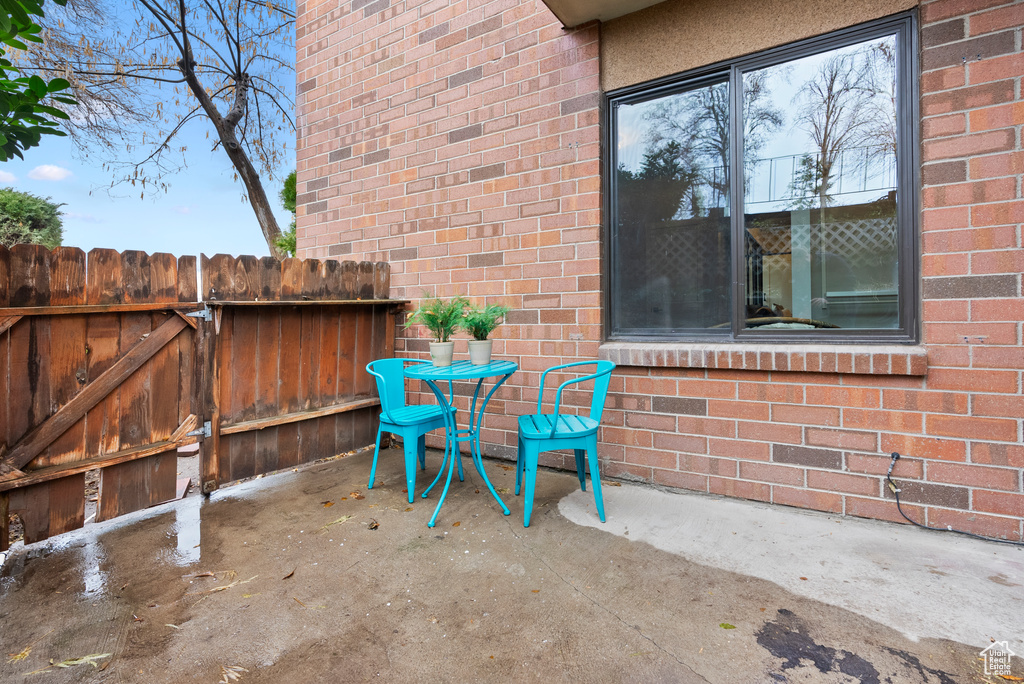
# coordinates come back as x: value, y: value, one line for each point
x: 442, y: 318
x: 480, y: 322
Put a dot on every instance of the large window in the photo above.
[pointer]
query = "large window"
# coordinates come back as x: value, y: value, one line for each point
x: 771, y: 197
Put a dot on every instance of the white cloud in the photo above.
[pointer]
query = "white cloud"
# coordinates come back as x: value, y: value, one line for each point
x: 84, y: 218
x: 183, y: 210
x: 6, y: 177
x: 49, y: 172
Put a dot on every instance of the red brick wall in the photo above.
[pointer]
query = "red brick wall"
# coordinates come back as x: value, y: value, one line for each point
x: 460, y: 141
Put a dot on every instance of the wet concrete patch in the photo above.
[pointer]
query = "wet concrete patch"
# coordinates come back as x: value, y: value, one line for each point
x: 786, y: 637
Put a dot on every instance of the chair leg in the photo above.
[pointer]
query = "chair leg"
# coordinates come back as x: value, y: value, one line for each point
x: 411, y: 446
x: 595, y: 478
x: 530, y: 474
x: 421, y: 447
x: 580, y: 459
x: 376, y: 453
x: 519, y: 466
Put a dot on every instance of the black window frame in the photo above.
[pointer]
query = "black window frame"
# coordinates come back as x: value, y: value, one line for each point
x: 904, y: 26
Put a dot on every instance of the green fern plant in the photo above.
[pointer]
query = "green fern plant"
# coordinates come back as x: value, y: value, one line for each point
x: 481, y: 321
x: 442, y: 317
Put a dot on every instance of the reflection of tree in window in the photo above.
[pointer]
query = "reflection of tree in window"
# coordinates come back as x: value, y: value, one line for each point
x: 848, y: 105
x: 832, y: 256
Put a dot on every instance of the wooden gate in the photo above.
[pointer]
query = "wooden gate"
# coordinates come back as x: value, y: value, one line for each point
x: 285, y: 354
x: 104, y: 369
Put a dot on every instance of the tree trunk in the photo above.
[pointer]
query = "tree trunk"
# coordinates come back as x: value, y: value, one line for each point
x: 236, y: 153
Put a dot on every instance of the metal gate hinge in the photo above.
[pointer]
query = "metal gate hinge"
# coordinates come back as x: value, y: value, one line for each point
x: 205, y: 431
x: 205, y: 313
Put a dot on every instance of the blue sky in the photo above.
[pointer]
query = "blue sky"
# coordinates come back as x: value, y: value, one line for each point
x: 203, y: 210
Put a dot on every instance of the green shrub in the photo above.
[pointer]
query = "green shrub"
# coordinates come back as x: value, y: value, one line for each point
x: 27, y: 218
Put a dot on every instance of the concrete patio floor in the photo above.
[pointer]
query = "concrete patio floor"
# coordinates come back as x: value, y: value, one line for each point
x: 269, y: 576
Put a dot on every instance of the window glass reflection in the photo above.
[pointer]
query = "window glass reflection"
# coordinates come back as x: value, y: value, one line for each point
x: 819, y: 155
x: 671, y: 250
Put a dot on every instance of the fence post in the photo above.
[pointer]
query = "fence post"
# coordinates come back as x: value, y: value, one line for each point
x: 206, y: 348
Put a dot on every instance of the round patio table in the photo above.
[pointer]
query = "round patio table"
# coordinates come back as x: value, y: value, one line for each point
x: 454, y: 436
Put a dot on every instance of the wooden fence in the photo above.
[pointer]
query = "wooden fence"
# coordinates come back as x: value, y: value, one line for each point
x: 104, y: 368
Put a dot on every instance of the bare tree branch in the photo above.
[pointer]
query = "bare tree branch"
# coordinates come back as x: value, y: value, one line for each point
x: 162, y: 66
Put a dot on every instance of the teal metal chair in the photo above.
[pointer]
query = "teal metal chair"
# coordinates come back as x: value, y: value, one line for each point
x: 411, y: 423
x: 546, y: 432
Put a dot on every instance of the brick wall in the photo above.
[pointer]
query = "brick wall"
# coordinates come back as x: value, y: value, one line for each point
x: 460, y: 141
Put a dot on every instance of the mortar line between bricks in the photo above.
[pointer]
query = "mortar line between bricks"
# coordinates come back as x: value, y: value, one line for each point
x: 600, y: 606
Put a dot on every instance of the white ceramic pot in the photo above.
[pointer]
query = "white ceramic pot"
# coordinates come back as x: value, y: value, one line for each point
x: 480, y: 352
x: 441, y: 353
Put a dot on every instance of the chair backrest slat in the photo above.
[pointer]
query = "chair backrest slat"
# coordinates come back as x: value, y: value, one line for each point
x: 390, y: 383
x: 601, y: 376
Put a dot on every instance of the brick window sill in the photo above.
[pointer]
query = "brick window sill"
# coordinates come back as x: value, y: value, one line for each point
x: 865, y: 359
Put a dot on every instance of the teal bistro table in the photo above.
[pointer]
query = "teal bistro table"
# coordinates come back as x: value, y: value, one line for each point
x: 454, y: 436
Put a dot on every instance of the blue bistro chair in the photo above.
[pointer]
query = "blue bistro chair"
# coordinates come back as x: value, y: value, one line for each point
x: 546, y: 432
x: 411, y: 423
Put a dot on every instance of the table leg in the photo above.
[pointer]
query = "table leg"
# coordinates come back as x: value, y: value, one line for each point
x: 454, y: 436
x: 475, y: 443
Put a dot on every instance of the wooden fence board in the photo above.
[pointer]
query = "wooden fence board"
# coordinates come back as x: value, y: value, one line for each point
x: 50, y: 508
x: 164, y: 379
x: 5, y: 389
x: 136, y: 277
x: 186, y: 288
x: 268, y: 352
x: 67, y: 276
x: 30, y: 275
x: 363, y: 385
x: 102, y: 423
x: 270, y: 279
x: 290, y: 364
x: 135, y: 485
x: 222, y: 342
x: 5, y: 532
x: 381, y: 280
x: 350, y: 279
x: 5, y: 276
x: 268, y: 356
x: 333, y: 284
x: 68, y: 377
x: 68, y: 350
x: 136, y: 410
x: 291, y: 279
x: 187, y: 360
x: 365, y: 281
x: 221, y: 278
x: 313, y: 284
x: 163, y: 278
x: 242, y: 452
x: 309, y: 390
x: 328, y: 377
x: 103, y: 277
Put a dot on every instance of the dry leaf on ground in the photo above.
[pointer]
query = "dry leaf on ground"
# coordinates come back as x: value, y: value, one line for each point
x: 335, y: 522
x: 72, y: 662
x: 231, y: 673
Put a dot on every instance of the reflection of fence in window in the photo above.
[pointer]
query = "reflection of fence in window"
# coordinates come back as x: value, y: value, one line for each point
x: 690, y: 261
x: 786, y: 180
x: 855, y: 269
